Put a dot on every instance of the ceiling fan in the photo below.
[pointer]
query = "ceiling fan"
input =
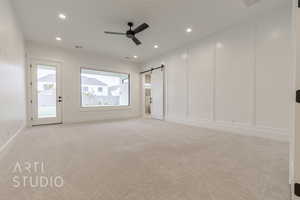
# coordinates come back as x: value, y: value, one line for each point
x: 131, y: 33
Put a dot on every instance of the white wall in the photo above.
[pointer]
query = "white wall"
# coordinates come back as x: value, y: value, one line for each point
x: 71, y: 61
x: 295, y: 150
x: 12, y: 74
x: 238, y: 80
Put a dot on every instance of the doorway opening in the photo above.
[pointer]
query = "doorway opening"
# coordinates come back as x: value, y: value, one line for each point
x: 45, y: 96
x: 153, y: 93
x: 147, y: 92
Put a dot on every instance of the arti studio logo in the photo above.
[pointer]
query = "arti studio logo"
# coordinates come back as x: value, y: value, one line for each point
x: 32, y: 174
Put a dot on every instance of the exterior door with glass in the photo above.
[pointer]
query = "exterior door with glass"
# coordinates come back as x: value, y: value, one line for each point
x: 46, y: 96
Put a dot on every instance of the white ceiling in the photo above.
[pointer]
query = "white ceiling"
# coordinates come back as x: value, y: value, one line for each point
x: 168, y: 19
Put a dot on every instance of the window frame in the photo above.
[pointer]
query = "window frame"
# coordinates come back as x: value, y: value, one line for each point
x: 103, y: 107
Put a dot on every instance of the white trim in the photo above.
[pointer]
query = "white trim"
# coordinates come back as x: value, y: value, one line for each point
x: 254, y: 74
x: 166, y: 90
x: 47, y: 59
x: 33, y: 62
x: 23, y: 126
x: 103, y: 69
x: 214, y: 83
x: 142, y: 88
x: 187, y: 54
x: 104, y: 108
x: 238, y: 128
x: 157, y: 117
x: 83, y: 121
x: 293, y: 105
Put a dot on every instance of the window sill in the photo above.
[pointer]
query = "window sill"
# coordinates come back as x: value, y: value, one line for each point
x: 104, y: 108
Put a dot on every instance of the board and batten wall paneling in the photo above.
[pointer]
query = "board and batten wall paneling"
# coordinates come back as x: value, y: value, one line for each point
x: 12, y: 75
x: 239, y: 79
x: 234, y: 75
x: 201, y: 68
x: 177, y: 93
x: 273, y: 71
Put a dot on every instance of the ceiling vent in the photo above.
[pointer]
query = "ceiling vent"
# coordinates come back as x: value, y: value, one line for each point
x: 249, y: 3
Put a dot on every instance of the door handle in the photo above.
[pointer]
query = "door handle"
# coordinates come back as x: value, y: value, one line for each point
x: 298, y: 96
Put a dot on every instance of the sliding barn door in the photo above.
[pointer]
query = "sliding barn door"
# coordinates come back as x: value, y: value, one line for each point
x: 157, y: 94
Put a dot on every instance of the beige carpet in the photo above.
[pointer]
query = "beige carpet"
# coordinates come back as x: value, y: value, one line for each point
x: 146, y: 160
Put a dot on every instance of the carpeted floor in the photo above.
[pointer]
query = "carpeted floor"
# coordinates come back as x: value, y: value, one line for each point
x: 143, y: 159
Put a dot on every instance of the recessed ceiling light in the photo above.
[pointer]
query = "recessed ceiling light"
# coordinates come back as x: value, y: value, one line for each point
x: 58, y: 38
x: 188, y: 30
x: 135, y: 57
x: 156, y: 46
x: 62, y: 16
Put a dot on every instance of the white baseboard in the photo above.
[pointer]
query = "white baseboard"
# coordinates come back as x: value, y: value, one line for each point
x: 238, y: 128
x: 102, y: 120
x: 23, y: 126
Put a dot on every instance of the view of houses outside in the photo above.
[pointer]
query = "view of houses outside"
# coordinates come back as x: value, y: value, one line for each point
x: 46, y: 95
x: 100, y: 88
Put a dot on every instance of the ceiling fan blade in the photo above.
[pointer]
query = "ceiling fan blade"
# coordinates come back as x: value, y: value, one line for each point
x: 114, y: 33
x: 140, y: 28
x: 136, y: 41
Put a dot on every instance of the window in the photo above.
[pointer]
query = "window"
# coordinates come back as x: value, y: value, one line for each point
x: 104, y: 88
x: 46, y: 91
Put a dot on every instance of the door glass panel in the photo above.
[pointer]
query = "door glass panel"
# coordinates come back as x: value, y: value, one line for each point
x: 46, y: 91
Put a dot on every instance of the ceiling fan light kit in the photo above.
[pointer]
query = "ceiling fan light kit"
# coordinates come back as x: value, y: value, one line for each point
x: 131, y: 33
